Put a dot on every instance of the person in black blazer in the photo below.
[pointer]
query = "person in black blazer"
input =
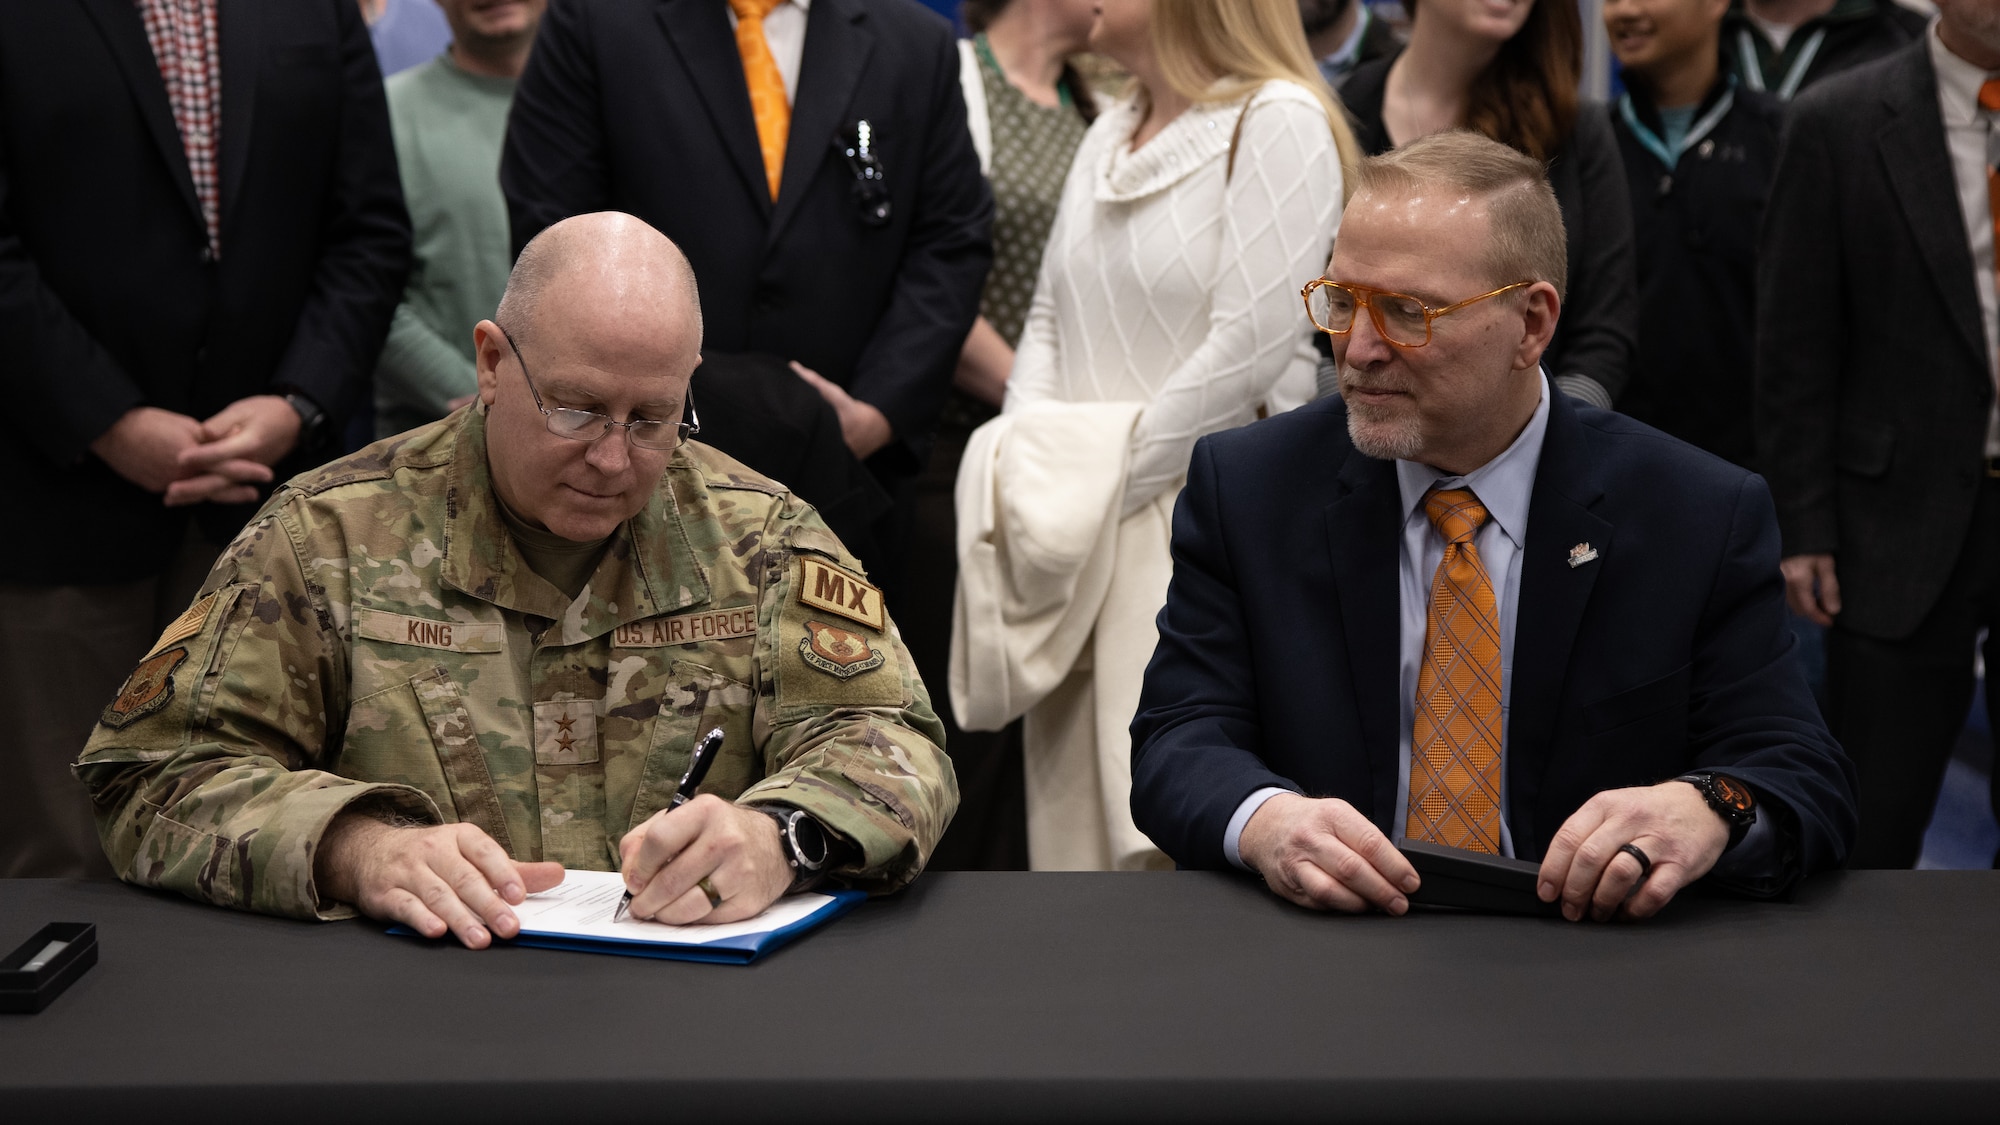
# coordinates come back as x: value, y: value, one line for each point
x: 1696, y: 207
x: 1647, y: 635
x: 1876, y: 356
x: 642, y: 106
x: 149, y: 358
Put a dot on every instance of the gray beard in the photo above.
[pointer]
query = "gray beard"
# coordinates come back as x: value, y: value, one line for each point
x: 1391, y: 439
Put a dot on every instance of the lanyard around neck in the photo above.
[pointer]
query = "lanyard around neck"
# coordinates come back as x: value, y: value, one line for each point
x: 1657, y: 145
x: 1753, y: 71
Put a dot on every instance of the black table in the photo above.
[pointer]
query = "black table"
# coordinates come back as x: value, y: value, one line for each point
x: 1051, y: 997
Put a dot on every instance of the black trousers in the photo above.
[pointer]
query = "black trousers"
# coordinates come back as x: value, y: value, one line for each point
x: 64, y: 651
x: 1898, y: 706
x: 990, y: 832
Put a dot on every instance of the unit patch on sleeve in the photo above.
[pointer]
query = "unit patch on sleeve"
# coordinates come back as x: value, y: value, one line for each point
x: 149, y: 688
x: 825, y: 586
x: 838, y: 652
x: 688, y: 628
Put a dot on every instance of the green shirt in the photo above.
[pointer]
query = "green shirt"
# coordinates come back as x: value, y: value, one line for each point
x: 449, y: 126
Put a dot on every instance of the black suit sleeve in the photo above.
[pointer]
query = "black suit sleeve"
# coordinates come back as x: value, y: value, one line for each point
x: 552, y: 166
x: 1598, y: 333
x: 61, y: 377
x: 1751, y: 714
x: 364, y: 257
x: 1196, y: 737
x: 1801, y: 338
x: 905, y: 368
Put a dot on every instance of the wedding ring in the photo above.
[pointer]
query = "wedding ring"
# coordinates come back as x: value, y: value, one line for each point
x: 715, y: 900
x: 1645, y: 862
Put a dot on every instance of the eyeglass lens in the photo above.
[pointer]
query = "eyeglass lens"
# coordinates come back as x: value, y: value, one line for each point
x: 585, y: 425
x: 1399, y: 318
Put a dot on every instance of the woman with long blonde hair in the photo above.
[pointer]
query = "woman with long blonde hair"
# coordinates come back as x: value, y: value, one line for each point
x: 1165, y: 309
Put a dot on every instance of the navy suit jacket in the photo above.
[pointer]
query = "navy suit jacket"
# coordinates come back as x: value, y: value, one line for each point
x: 1279, y: 643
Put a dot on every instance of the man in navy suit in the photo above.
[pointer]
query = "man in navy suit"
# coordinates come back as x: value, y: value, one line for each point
x: 1627, y: 709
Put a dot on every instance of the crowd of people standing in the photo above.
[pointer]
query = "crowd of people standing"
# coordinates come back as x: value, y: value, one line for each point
x: 975, y: 299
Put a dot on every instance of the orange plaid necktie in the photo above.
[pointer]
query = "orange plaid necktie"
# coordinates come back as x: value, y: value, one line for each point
x: 767, y: 86
x: 1455, y: 742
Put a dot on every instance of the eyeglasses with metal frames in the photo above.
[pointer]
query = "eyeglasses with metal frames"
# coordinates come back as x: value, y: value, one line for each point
x: 1399, y: 318
x: 588, y: 425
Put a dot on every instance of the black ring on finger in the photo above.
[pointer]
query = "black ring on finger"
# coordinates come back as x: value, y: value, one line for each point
x: 1645, y: 862
x: 715, y: 900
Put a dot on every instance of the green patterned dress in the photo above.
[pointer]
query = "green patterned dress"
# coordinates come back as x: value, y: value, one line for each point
x: 1032, y: 148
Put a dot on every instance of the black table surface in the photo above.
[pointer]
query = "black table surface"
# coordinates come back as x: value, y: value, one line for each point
x: 1167, y: 996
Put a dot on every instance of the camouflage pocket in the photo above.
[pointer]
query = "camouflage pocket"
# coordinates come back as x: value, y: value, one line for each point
x: 699, y: 699
x: 404, y: 734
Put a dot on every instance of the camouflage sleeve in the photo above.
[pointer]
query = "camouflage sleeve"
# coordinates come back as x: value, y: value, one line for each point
x: 852, y: 738
x: 209, y: 770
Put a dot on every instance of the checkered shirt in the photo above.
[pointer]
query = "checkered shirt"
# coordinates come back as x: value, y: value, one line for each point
x: 182, y: 33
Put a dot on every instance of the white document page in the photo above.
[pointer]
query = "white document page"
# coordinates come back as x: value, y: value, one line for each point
x: 582, y: 904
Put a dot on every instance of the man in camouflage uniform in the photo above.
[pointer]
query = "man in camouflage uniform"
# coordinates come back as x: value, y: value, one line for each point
x: 426, y: 678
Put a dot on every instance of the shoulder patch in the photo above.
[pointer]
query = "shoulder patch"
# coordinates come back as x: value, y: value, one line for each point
x: 149, y: 688
x: 838, y: 652
x: 187, y: 624
x: 827, y: 587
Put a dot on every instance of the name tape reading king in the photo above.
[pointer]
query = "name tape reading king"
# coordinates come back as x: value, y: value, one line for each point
x: 421, y: 632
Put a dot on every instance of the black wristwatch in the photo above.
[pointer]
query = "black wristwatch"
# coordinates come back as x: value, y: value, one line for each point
x: 312, y: 419
x: 805, y: 841
x: 1730, y: 798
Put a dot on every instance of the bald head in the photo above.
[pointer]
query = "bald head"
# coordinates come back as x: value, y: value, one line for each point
x: 600, y: 318
x: 598, y: 273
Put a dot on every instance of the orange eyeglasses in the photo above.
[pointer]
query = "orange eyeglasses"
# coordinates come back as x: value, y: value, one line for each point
x: 1400, y: 318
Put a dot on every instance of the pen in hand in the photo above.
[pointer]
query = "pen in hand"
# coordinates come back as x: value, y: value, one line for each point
x: 704, y: 755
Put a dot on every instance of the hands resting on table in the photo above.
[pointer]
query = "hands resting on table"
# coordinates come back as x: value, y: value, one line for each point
x: 456, y: 879
x: 1324, y: 854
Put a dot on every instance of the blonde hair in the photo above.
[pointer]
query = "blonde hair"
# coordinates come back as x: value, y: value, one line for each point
x: 1525, y: 241
x: 1244, y: 44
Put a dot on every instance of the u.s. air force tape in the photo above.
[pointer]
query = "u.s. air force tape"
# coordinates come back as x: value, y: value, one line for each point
x: 824, y: 586
x: 688, y: 628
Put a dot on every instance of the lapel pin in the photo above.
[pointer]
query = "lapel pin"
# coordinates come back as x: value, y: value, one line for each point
x: 1580, y: 554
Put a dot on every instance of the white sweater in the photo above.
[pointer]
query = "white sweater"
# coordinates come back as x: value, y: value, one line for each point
x: 1165, y: 285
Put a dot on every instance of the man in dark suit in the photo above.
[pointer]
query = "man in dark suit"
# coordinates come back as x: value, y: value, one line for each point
x: 1785, y: 46
x: 1875, y: 405
x: 1458, y: 608
x: 202, y: 240
x: 839, y: 223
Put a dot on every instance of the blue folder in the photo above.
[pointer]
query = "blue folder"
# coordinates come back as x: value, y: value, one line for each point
x: 739, y: 950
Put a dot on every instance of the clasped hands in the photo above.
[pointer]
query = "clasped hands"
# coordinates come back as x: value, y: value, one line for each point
x: 456, y: 879
x: 1322, y: 853
x: 221, y: 460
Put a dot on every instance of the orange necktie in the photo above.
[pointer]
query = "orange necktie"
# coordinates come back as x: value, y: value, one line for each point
x: 767, y: 86
x: 1455, y: 742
